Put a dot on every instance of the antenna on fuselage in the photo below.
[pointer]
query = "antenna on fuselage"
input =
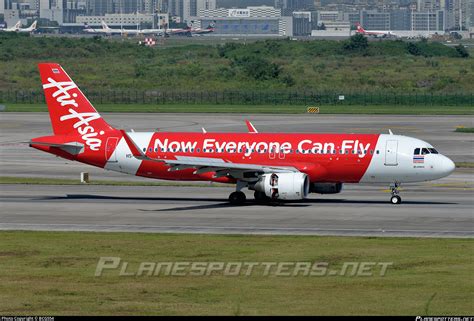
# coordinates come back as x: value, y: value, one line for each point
x: 204, y: 130
x: 390, y: 132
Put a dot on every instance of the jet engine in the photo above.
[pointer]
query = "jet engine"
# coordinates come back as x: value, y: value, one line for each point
x: 283, y: 186
x: 326, y: 188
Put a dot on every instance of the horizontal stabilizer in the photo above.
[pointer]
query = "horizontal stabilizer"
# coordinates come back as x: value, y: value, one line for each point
x: 73, y: 148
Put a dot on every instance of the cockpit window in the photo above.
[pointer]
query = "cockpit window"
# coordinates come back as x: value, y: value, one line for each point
x: 424, y: 151
x: 417, y: 151
x: 433, y: 151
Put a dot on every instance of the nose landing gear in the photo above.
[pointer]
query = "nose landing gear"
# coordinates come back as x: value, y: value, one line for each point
x: 395, y: 198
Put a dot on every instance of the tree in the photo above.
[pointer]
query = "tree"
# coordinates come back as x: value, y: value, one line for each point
x: 413, y: 49
x: 462, y: 51
x: 356, y: 42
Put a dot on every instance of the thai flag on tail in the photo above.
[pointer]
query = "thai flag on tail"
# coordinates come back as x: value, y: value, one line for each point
x: 418, y: 159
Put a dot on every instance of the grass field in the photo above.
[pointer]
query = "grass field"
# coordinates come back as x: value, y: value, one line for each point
x: 271, y: 109
x: 52, y: 273
x: 275, y: 65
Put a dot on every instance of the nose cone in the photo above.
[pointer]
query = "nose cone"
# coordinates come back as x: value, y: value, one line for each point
x: 446, y: 166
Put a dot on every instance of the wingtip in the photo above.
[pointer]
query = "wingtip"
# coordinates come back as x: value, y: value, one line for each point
x: 250, y: 127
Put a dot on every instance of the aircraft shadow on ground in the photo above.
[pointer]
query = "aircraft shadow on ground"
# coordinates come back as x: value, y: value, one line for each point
x: 224, y: 204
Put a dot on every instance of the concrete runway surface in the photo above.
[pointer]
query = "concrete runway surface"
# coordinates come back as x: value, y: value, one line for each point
x: 442, y: 208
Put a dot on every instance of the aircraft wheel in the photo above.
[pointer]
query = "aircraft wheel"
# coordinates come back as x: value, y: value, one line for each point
x: 395, y: 199
x: 237, y: 198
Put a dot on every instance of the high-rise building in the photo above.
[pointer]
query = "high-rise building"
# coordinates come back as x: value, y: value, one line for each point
x: 427, y: 21
x: 400, y: 19
x: 191, y: 8
x: 303, y: 22
x: 375, y: 20
x: 53, y: 10
x: 99, y: 7
x: 457, y: 14
x: 470, y: 13
x: 288, y: 6
x: 427, y: 5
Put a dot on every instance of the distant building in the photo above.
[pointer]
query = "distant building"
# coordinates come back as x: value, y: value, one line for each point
x: 52, y: 10
x: 99, y: 7
x: 333, y: 21
x: 470, y: 14
x: 289, y: 6
x: 116, y: 19
x: 250, y: 21
x: 429, y: 5
x: 428, y: 21
x: 192, y: 7
x: 375, y: 20
x: 408, y: 20
x: 400, y: 20
x: 303, y: 23
x: 458, y: 14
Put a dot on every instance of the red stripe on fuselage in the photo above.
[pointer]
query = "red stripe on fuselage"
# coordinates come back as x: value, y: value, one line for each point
x: 325, y: 166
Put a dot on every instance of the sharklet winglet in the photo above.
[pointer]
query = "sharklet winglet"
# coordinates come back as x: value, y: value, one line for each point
x: 251, y: 127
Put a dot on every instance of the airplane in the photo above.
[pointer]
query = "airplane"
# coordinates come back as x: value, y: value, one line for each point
x: 276, y: 166
x: 17, y: 28
x: 157, y: 32
x: 201, y: 31
x: 110, y: 31
x: 374, y: 33
x: 31, y: 28
x: 88, y: 29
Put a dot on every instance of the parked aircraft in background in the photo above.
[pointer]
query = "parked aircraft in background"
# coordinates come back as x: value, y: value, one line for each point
x: 88, y: 29
x: 17, y: 28
x: 277, y: 166
x: 375, y: 33
x: 106, y: 30
x: 201, y: 31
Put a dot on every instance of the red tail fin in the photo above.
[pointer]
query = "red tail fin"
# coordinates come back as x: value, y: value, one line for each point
x: 70, y: 111
x: 359, y: 28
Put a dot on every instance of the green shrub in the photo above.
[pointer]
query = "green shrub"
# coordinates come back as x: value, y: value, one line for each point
x: 462, y: 51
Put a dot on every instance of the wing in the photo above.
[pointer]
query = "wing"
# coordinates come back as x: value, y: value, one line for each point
x: 207, y: 164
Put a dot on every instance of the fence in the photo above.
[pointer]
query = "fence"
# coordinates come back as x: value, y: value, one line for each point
x: 251, y: 98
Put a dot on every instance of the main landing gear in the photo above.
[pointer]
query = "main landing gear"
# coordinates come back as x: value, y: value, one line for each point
x: 395, y: 198
x: 238, y: 197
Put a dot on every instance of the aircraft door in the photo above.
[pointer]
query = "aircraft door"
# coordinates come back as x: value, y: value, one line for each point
x: 110, y: 147
x: 391, y: 149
